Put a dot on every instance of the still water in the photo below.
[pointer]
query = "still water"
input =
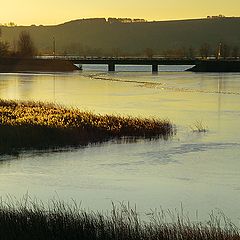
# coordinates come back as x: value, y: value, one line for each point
x: 201, y: 171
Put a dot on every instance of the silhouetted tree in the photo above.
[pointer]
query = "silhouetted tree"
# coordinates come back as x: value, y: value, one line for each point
x: 115, y: 52
x: 181, y: 52
x: 26, y: 46
x: 12, y: 24
x: 205, y: 50
x: 14, y: 46
x: 191, y: 53
x: 148, y: 52
x: 173, y: 53
x: 235, y: 52
x: 4, y: 49
x: 225, y: 50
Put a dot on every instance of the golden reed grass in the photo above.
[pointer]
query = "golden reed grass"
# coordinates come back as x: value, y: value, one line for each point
x: 36, y: 125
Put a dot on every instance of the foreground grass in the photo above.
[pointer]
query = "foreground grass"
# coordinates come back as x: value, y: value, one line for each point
x: 39, y: 125
x: 31, y: 220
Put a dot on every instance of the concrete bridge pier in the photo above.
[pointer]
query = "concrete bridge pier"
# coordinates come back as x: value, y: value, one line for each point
x: 111, y: 67
x: 154, y: 68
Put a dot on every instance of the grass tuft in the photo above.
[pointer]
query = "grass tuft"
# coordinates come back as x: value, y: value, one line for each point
x: 199, y: 127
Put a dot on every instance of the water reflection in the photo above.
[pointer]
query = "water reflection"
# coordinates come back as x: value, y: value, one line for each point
x: 220, y: 88
x: 9, y: 153
x: 25, y: 84
x: 54, y: 88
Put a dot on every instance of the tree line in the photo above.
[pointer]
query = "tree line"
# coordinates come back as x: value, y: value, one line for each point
x: 204, y: 51
x: 25, y: 46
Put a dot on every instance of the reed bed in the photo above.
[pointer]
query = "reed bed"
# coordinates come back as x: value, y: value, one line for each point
x: 58, y: 220
x: 40, y: 125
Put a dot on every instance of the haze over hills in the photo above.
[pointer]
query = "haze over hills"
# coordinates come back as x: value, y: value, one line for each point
x: 122, y: 37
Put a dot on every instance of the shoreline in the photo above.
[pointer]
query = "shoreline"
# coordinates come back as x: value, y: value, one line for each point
x: 216, y: 66
x: 21, y: 65
x: 32, y: 219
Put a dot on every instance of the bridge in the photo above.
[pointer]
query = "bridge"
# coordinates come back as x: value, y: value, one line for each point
x: 63, y: 63
x: 200, y: 65
x: 112, y: 62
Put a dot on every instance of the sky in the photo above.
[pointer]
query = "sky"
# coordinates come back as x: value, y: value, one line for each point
x: 47, y: 12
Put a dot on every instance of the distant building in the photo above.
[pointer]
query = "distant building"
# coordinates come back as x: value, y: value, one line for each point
x: 216, y: 17
x: 139, y: 20
x: 125, y: 20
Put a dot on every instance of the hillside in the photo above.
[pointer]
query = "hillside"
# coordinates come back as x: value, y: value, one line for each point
x: 98, y: 36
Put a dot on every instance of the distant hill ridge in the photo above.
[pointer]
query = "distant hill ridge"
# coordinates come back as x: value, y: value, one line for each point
x: 100, y: 36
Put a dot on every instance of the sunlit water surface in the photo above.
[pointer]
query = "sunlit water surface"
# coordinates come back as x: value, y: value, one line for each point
x: 201, y: 171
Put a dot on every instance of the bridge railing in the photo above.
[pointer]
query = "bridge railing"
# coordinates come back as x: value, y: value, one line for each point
x: 73, y: 57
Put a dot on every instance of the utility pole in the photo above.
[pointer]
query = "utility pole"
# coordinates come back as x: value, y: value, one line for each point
x: 54, y: 48
x: 219, y: 51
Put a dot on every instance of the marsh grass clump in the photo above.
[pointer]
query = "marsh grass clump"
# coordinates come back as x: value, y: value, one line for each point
x: 199, y: 127
x: 40, y: 125
x: 58, y: 220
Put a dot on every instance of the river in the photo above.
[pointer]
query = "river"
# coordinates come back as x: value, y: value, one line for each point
x: 200, y: 171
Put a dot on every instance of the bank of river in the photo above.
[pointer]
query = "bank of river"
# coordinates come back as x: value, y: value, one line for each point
x: 201, y: 171
x: 28, y: 65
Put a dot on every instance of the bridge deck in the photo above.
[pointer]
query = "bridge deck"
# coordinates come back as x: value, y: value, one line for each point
x: 134, y: 61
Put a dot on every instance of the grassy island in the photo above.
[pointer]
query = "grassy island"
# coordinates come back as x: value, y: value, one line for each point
x: 58, y: 220
x: 40, y: 125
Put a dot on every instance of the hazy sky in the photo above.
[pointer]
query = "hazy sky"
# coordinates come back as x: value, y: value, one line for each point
x: 26, y: 12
